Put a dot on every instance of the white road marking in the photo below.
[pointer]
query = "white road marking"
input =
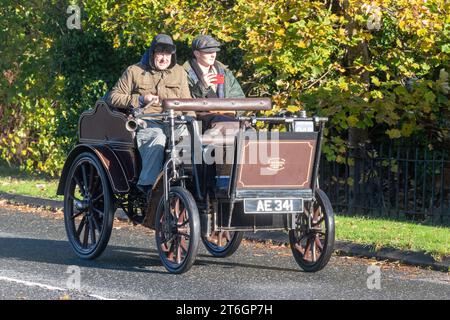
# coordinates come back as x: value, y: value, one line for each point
x: 45, y: 286
x: 100, y: 297
x: 32, y: 284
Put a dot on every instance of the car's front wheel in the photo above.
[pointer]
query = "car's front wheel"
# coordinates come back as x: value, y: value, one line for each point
x: 312, y: 241
x: 177, y: 230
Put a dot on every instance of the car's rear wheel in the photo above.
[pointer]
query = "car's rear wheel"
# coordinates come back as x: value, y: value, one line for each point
x: 223, y: 244
x: 88, y: 206
x: 312, y: 242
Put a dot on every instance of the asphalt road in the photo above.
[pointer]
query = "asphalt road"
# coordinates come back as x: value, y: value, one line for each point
x: 36, y: 261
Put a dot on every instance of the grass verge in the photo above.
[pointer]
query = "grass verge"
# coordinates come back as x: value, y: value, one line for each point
x: 402, y: 235
x: 14, y: 181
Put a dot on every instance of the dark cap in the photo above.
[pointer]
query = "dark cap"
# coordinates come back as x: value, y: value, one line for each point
x: 205, y: 43
x: 163, y: 43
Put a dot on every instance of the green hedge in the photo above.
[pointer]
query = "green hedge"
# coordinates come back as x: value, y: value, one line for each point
x: 379, y: 66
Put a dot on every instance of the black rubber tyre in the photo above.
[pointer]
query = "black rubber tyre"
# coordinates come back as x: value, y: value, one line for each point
x: 177, y: 234
x: 223, y: 244
x: 312, y: 248
x: 88, y: 207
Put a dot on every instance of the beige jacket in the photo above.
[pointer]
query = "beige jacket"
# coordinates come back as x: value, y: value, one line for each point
x: 138, y: 80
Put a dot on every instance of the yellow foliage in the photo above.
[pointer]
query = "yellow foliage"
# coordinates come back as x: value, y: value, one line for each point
x: 358, y: 67
x: 352, y: 121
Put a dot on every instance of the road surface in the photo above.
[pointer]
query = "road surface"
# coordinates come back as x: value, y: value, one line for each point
x: 36, y: 262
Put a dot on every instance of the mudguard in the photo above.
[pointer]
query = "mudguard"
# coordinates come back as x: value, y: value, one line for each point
x: 113, y: 168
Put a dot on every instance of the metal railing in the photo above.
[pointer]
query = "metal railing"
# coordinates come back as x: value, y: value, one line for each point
x: 388, y: 181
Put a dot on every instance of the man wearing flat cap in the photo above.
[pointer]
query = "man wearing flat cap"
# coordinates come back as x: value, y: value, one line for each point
x: 203, y: 69
x: 209, y: 78
x: 143, y: 85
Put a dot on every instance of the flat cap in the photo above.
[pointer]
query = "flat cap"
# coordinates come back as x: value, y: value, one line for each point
x: 205, y: 43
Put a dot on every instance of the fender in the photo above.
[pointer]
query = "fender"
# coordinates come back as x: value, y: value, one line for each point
x: 109, y: 160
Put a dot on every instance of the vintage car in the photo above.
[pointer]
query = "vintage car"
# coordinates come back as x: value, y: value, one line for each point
x: 195, y: 199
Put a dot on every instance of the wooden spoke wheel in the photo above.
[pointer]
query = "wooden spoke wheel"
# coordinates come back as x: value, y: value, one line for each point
x: 88, y: 206
x: 177, y: 231
x: 223, y: 244
x: 312, y: 242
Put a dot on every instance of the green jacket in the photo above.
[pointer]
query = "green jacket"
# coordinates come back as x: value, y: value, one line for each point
x: 231, y: 87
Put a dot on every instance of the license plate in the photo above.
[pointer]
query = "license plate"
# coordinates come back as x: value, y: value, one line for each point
x: 273, y: 205
x: 303, y: 126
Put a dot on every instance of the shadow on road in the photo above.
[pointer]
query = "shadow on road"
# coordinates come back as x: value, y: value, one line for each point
x: 59, y: 252
x: 130, y: 259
